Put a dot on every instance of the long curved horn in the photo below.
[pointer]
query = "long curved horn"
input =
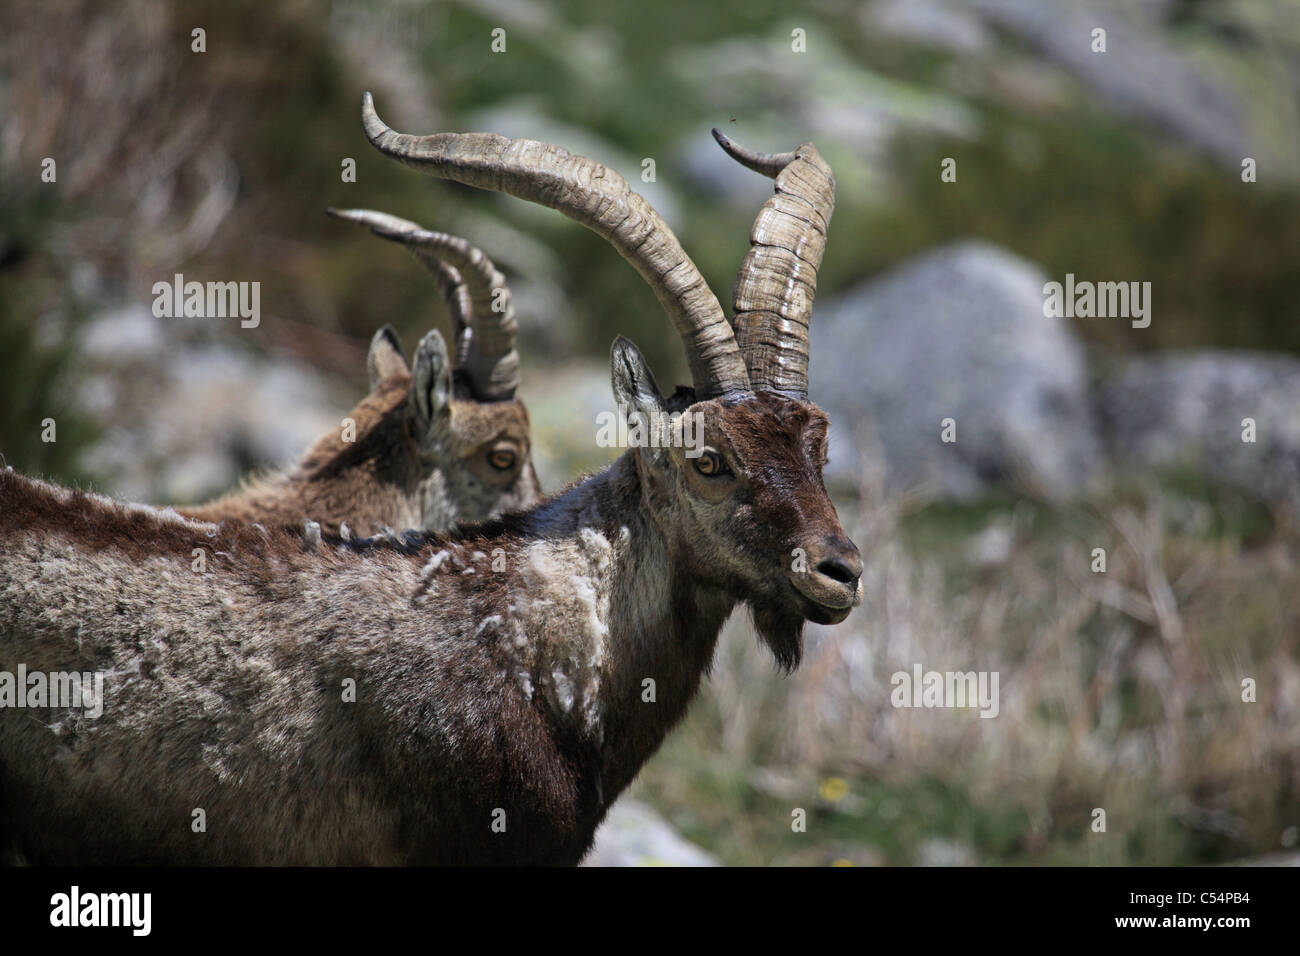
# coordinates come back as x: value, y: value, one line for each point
x: 450, y: 285
x: 475, y: 291
x: 600, y: 199
x: 778, y: 279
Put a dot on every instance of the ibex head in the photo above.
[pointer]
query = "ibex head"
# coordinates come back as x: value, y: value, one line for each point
x: 750, y: 516
x: 467, y: 428
x: 433, y: 444
x: 746, y: 510
x: 424, y: 433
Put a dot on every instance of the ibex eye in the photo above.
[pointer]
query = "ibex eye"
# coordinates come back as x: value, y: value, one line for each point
x: 502, y: 459
x: 710, y: 463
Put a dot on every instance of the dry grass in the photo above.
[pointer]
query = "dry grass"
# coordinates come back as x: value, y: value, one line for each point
x: 1120, y: 691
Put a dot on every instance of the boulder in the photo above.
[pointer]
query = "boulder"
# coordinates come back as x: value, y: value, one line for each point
x: 1187, y: 411
x: 633, y: 834
x: 958, y: 333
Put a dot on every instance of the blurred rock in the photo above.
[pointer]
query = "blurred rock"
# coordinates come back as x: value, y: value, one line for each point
x: 184, y: 420
x: 932, y: 23
x: 633, y: 834
x: 1140, y: 75
x: 1184, y: 410
x: 992, y: 546
x: 938, y: 851
x: 850, y: 111
x: 380, y: 39
x: 782, y: 784
x: 957, y: 333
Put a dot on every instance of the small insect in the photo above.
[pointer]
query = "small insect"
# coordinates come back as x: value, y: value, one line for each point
x: 733, y: 119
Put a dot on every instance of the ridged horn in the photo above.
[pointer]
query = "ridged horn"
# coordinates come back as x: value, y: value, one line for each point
x: 476, y: 293
x: 600, y: 199
x: 778, y: 279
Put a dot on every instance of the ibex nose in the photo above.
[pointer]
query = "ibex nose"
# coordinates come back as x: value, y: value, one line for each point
x: 835, y: 572
x: 845, y: 569
x: 840, y: 560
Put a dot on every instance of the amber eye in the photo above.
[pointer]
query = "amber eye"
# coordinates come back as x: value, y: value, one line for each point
x: 710, y: 463
x: 502, y: 459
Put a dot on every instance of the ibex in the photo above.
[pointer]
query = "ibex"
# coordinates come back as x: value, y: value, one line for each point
x: 410, y: 700
x: 444, y: 442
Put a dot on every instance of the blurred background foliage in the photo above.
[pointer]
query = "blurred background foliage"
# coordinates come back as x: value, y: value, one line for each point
x: 271, y: 109
x: 220, y: 165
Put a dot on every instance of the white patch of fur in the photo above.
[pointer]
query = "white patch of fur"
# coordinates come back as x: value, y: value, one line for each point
x: 492, y: 621
x: 565, y: 596
x: 435, y: 563
x: 562, y: 689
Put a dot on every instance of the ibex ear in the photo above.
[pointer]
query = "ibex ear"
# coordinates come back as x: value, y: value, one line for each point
x: 634, y: 383
x: 431, y: 380
x: 385, y: 359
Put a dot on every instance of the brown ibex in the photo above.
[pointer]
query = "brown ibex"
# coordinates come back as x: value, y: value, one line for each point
x: 411, y: 699
x: 441, y: 443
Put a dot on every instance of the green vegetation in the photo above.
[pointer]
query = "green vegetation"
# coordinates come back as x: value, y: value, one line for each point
x: 37, y: 379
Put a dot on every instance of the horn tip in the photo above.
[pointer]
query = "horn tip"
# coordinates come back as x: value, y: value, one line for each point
x: 374, y: 126
x: 348, y: 215
x: 767, y: 164
x: 729, y: 145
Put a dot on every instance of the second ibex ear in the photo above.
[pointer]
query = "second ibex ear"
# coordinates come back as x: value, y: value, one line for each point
x: 431, y: 380
x: 385, y: 359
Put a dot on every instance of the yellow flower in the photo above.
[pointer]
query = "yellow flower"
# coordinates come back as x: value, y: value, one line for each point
x: 834, y: 789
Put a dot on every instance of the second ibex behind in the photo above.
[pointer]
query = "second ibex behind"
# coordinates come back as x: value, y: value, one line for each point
x: 444, y: 441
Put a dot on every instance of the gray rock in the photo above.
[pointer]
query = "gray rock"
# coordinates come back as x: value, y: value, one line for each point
x: 182, y: 419
x: 851, y: 112
x: 1185, y: 410
x: 938, y: 851
x: 956, y: 333
x: 633, y: 834
x: 1141, y: 75
x: 934, y: 23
